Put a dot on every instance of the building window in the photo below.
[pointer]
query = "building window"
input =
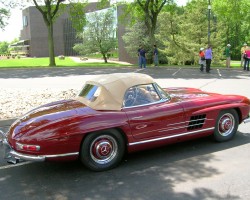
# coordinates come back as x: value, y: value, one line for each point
x: 25, y: 21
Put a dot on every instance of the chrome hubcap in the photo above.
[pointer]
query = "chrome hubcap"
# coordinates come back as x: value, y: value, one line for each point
x: 103, y: 149
x: 226, y: 124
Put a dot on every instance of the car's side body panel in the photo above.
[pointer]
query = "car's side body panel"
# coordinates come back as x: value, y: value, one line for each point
x: 198, y: 112
x: 156, y: 120
x: 63, y: 134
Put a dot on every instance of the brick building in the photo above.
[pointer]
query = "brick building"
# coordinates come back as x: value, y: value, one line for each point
x: 34, y: 36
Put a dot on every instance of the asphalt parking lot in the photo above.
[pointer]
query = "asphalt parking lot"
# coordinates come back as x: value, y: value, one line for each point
x: 160, y: 72
x: 200, y: 169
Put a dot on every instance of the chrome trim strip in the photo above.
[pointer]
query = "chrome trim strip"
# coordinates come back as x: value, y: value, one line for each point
x: 171, y: 128
x: 168, y: 137
x: 178, y: 123
x: 147, y: 104
x: 202, y: 123
x: 137, y: 117
x: 195, y: 120
x: 179, y: 127
x: 39, y: 158
x: 62, y: 155
x: 187, y: 122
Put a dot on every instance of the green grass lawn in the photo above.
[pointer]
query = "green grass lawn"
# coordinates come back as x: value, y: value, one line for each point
x: 235, y: 63
x: 68, y: 62
x: 44, y: 62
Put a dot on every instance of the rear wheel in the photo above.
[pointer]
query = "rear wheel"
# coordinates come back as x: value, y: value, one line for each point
x: 103, y: 150
x: 226, y: 125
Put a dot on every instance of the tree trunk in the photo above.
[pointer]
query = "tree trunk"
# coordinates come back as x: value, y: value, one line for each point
x: 52, y: 62
x: 104, y: 58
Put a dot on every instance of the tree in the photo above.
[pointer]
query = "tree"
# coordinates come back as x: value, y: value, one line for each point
x: 99, y: 34
x: 151, y: 10
x: 5, y: 5
x: 183, y: 31
x: 134, y: 37
x: 170, y: 36
x: 5, y: 12
x: 144, y: 14
x: 148, y: 12
x: 49, y: 11
x: 4, y: 47
x: 235, y: 16
x: 4, y: 15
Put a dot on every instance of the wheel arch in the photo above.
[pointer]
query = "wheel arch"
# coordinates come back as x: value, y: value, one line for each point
x: 226, y: 124
x: 219, y: 109
x: 118, y: 129
x: 239, y: 114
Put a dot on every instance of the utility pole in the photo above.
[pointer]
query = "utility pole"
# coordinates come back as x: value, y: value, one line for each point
x: 209, y: 15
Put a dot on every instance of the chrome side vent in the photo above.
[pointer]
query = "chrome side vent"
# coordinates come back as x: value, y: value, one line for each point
x: 196, y: 122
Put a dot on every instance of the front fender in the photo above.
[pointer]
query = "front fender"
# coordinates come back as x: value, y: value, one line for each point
x: 241, y: 108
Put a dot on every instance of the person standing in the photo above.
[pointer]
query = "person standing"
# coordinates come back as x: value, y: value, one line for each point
x: 243, y: 49
x: 139, y: 58
x: 228, y: 55
x: 202, y: 60
x: 142, y: 58
x: 156, y: 59
x: 247, y: 59
x: 208, y: 57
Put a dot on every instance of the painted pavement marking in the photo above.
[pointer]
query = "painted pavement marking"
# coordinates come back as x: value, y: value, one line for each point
x: 15, y: 165
x: 176, y: 72
x: 218, y: 72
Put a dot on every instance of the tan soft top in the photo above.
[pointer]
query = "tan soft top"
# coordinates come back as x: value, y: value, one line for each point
x: 113, y: 88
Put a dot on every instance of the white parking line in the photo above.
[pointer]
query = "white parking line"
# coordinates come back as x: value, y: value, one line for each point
x: 176, y: 72
x: 219, y: 72
x: 15, y: 165
x: 139, y: 69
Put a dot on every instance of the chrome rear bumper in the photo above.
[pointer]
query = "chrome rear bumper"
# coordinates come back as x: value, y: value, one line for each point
x: 38, y: 158
x: 20, y: 156
x: 2, y: 136
x: 6, y: 148
x: 14, y: 157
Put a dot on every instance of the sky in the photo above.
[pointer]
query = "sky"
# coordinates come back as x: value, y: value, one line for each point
x: 12, y: 30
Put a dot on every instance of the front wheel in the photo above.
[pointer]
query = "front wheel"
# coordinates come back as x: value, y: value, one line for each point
x: 226, y: 125
x: 102, y: 150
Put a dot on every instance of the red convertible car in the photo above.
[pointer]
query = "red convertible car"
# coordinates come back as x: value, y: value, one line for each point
x: 119, y: 113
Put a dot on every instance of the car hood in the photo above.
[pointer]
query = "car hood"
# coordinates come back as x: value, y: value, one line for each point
x: 47, y: 115
x: 183, y: 93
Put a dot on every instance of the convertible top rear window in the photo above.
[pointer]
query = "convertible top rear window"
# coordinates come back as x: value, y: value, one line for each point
x: 106, y: 92
x: 90, y: 92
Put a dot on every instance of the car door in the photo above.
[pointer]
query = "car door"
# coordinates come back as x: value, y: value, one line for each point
x: 158, y: 119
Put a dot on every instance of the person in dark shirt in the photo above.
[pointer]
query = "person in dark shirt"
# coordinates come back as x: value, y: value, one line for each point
x: 208, y: 57
x: 142, y: 57
x: 156, y: 59
x: 139, y: 57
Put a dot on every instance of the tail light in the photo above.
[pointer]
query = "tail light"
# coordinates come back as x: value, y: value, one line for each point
x: 27, y: 147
